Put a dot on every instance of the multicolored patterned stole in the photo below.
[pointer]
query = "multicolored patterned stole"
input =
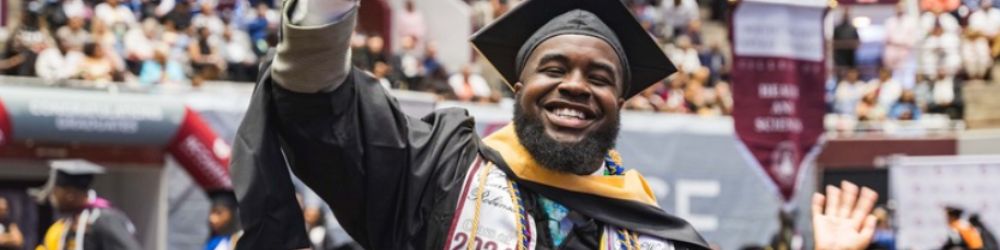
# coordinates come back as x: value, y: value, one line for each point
x: 490, y: 215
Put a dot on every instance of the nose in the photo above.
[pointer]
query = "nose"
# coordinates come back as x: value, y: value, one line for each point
x: 575, y: 86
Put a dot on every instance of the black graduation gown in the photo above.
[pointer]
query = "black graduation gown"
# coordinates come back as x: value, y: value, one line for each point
x: 391, y: 180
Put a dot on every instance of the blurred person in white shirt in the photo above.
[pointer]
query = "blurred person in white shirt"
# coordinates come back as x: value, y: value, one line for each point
x: 208, y: 19
x: 469, y: 86
x: 938, y: 17
x: 684, y: 55
x: 849, y: 92
x: 112, y: 13
x: 976, y: 57
x: 60, y: 62
x: 985, y: 20
x: 940, y: 53
x: 139, y: 43
x: 886, y: 89
x: 240, y: 58
x: 902, y: 34
x: 74, y: 32
x: 677, y: 14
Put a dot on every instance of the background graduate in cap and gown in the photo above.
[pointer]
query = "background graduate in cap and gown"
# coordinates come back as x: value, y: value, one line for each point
x: 86, y: 221
x: 551, y: 180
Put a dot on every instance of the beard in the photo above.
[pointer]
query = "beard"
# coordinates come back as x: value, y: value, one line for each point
x: 581, y: 158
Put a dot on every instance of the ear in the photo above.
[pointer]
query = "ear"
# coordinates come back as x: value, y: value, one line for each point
x: 517, y: 87
x: 621, y: 102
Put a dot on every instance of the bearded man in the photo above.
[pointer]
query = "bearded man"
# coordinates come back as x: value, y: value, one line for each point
x: 551, y: 180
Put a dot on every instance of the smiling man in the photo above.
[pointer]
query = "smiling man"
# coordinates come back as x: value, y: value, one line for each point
x: 551, y: 180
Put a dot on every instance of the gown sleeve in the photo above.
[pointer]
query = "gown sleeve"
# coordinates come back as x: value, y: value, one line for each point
x: 112, y: 232
x: 385, y: 175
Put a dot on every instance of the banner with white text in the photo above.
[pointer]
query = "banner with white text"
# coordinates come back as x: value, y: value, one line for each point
x: 778, y: 74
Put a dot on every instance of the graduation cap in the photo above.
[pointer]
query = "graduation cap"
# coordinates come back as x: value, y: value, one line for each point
x: 75, y: 173
x: 224, y: 198
x: 507, y: 42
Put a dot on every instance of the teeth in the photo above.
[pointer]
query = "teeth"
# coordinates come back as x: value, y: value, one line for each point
x: 566, y: 112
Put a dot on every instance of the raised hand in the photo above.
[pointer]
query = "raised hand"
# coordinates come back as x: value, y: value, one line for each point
x: 845, y: 222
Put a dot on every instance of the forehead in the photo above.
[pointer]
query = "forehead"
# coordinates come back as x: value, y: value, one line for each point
x: 577, y: 48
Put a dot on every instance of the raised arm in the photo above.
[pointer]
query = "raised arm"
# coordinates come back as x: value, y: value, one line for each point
x: 314, y: 52
x: 345, y: 137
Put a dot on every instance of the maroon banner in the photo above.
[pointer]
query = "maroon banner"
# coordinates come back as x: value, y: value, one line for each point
x: 778, y: 77
x: 201, y: 152
x: 5, y: 131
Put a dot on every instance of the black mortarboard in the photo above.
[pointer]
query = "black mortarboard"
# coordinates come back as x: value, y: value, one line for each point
x: 508, y: 41
x: 75, y: 173
x: 223, y: 198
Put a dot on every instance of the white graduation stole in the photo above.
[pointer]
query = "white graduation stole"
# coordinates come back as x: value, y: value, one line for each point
x: 488, y: 217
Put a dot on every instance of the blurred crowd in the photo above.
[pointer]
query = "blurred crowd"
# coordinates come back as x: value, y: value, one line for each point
x: 139, y: 42
x: 928, y: 57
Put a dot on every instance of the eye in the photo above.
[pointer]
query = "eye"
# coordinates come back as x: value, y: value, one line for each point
x: 599, y: 80
x: 553, y: 71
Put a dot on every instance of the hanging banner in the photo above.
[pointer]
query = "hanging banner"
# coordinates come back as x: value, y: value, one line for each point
x: 201, y: 152
x: 4, y: 125
x: 96, y: 119
x: 778, y: 74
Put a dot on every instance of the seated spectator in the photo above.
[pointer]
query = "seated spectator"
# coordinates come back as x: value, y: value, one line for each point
x: 938, y: 16
x: 985, y: 20
x: 684, y: 55
x: 724, y: 97
x: 206, y: 60
x: 223, y: 220
x: 406, y: 63
x: 940, y: 53
x: 976, y: 54
x: 74, y: 32
x: 161, y: 70
x: 677, y: 14
x: 943, y: 99
x: 318, y: 236
x: 10, y: 233
x: 27, y: 40
x: 381, y: 73
x: 208, y: 19
x: 849, y: 92
x: 241, y: 62
x: 716, y: 63
x: 868, y: 109
x: 139, y: 44
x: 374, y: 51
x: 906, y: 108
x: 885, y: 88
x: 112, y: 13
x: 469, y: 86
x: 96, y: 66
x: 60, y: 62
x: 693, y: 32
x: 359, y: 52
x: 430, y: 62
x: 674, y: 98
x: 647, y: 100
x: 262, y: 22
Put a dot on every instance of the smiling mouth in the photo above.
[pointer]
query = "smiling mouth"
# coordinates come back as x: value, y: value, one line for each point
x: 568, y: 117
